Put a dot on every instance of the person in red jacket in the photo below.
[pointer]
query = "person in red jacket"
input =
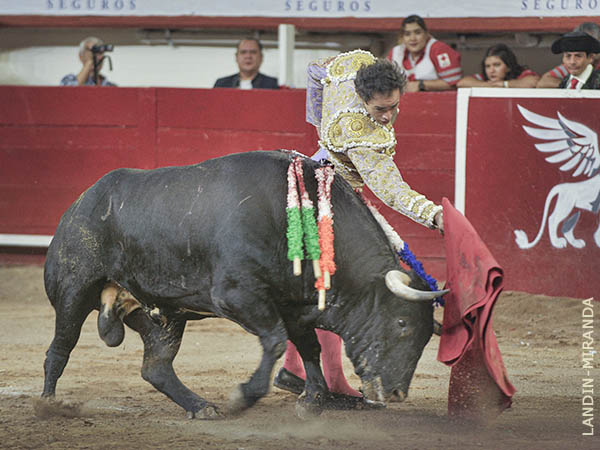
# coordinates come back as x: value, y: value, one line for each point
x: 499, y: 68
x: 430, y: 65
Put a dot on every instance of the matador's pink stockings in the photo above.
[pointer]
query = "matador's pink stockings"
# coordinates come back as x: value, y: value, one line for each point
x: 331, y: 356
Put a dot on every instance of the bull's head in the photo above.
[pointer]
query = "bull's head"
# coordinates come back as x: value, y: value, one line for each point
x: 386, y: 347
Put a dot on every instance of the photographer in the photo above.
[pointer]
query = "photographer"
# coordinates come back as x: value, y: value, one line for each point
x: 91, y: 54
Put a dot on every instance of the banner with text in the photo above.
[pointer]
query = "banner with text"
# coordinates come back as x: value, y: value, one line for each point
x: 305, y: 8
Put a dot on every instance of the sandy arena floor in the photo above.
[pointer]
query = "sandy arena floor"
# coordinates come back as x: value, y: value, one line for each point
x: 111, y: 406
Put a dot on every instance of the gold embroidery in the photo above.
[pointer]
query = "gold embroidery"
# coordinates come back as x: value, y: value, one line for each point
x: 361, y: 149
x: 379, y: 172
x: 347, y: 64
x: 356, y: 127
x: 361, y: 60
x: 349, y: 129
x: 389, y: 151
x: 338, y: 70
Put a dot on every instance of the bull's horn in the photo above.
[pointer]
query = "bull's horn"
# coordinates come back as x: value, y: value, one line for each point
x: 397, y: 282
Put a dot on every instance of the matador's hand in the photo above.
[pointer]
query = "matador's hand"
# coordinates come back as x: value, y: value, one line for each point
x: 438, y: 221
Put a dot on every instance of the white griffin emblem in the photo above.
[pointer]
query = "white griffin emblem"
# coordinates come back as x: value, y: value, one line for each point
x: 576, y: 146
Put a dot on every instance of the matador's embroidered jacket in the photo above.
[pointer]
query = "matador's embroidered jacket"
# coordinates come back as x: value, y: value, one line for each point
x: 361, y: 149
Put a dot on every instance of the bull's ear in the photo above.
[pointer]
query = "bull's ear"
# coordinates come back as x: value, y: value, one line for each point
x: 397, y: 282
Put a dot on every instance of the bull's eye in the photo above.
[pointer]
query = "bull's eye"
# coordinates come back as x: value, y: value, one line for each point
x: 404, y: 329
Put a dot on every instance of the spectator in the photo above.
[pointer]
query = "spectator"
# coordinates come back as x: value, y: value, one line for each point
x: 352, y: 100
x: 499, y: 68
x: 430, y: 64
x: 249, y: 56
x: 552, y: 78
x: 578, y: 50
x: 85, y: 77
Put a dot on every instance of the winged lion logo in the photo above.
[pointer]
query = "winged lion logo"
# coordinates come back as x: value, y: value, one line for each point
x: 576, y: 147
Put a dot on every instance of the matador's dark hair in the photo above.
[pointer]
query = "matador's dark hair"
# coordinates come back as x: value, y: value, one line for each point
x: 381, y: 77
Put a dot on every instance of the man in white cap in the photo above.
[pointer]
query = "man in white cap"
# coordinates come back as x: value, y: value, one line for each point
x: 578, y: 51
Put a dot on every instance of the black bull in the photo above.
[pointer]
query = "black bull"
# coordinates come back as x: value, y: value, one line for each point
x: 210, y: 240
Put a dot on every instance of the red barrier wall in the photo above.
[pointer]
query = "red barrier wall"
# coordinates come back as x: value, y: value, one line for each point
x: 55, y: 142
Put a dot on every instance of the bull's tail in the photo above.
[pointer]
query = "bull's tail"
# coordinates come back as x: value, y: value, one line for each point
x: 521, y: 236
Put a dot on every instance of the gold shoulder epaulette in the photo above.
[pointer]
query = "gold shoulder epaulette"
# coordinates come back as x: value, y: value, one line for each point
x: 354, y: 128
x: 344, y: 66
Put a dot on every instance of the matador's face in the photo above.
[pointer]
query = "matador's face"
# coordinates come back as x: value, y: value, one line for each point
x: 384, y: 107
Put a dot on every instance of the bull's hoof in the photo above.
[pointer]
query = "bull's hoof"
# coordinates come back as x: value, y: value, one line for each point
x: 287, y: 381
x: 48, y: 407
x: 333, y: 400
x: 208, y: 412
x: 238, y: 401
x: 372, y: 404
x: 306, y: 409
x: 110, y: 328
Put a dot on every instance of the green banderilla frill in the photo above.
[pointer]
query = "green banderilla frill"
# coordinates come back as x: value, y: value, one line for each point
x: 311, y: 233
x: 294, y: 234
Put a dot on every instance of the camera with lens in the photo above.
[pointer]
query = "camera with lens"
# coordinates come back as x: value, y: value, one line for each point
x: 98, y: 58
x: 102, y: 48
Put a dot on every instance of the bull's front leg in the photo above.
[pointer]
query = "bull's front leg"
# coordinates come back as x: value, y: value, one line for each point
x: 161, y: 344
x: 247, y: 394
x: 311, y: 401
x: 316, y: 395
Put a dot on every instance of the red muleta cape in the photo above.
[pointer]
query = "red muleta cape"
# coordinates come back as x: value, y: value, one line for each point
x: 479, y: 388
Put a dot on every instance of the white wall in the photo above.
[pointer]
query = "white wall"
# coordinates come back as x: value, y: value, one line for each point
x: 42, y: 56
x: 142, y: 65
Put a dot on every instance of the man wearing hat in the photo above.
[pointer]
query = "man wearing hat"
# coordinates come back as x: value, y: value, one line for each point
x: 578, y: 51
